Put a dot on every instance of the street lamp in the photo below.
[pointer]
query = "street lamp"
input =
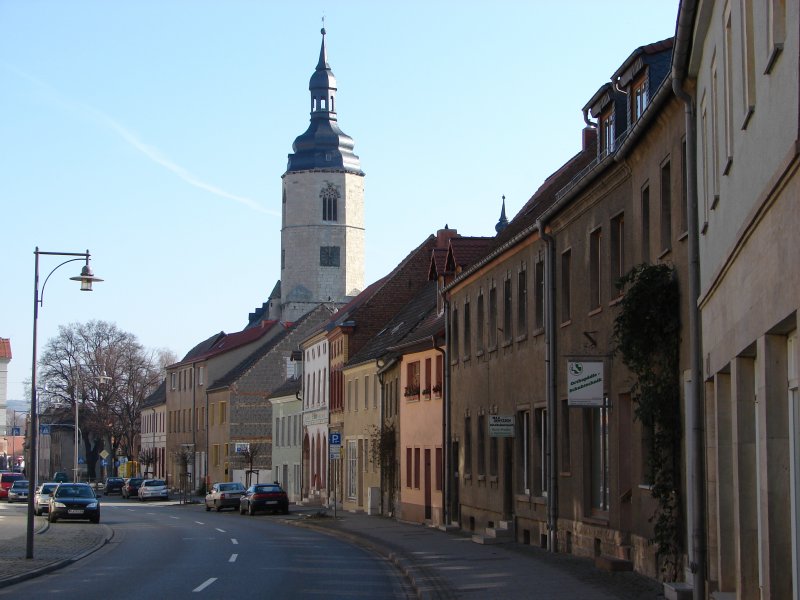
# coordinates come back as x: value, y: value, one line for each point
x: 86, y: 278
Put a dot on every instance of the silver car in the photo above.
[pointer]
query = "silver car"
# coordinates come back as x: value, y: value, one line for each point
x: 153, y: 488
x: 41, y: 498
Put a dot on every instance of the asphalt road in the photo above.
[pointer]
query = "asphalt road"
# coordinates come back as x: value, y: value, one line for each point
x: 168, y: 551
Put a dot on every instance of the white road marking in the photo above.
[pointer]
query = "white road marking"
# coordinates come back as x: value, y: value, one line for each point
x: 199, y: 522
x: 220, y: 530
x: 233, y: 558
x: 204, y: 585
x: 176, y: 518
x: 234, y: 541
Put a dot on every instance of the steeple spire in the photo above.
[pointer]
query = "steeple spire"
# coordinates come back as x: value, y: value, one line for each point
x: 503, y: 222
x: 323, y: 145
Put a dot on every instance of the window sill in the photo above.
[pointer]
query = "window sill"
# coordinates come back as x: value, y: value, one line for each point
x: 683, y: 236
x: 617, y: 300
x: 664, y: 253
x: 714, y: 202
x: 704, y: 228
x: 538, y: 331
x: 728, y: 165
x: 773, y: 58
x: 595, y: 311
x: 522, y: 338
x: 478, y: 353
x: 481, y: 477
x: 747, y: 115
x: 596, y: 520
x: 565, y: 474
x: 407, y: 398
x: 646, y: 487
x: 467, y: 477
x: 566, y: 323
x: 507, y: 343
x: 492, y: 348
x: 492, y: 478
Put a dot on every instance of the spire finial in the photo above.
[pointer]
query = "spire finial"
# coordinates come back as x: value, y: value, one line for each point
x: 323, y: 54
x: 322, y: 31
x: 503, y: 222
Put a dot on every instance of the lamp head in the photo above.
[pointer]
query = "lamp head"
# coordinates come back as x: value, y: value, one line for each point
x: 86, y: 278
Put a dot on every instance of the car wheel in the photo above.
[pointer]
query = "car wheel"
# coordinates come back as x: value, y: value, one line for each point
x: 251, y: 511
x: 241, y: 510
x: 217, y: 507
x: 51, y: 517
x: 208, y: 508
x: 95, y: 520
x: 286, y: 510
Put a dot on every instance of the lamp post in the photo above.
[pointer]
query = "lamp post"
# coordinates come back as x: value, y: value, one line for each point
x: 86, y: 278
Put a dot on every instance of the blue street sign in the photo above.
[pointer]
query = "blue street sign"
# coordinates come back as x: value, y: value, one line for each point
x: 335, y: 438
x: 103, y: 462
x: 44, y: 429
x: 81, y: 460
x: 15, y: 431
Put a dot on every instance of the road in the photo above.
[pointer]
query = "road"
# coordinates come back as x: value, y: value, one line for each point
x: 161, y: 550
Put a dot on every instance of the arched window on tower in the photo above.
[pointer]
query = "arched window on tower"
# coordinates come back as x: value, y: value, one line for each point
x: 333, y: 109
x: 330, y: 202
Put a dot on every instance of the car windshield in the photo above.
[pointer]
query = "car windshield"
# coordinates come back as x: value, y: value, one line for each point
x: 154, y: 483
x: 74, y: 492
x: 48, y: 489
x: 19, y: 483
x: 231, y: 487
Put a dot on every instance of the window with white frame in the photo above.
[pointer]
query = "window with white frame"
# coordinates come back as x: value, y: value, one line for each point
x: 352, y: 469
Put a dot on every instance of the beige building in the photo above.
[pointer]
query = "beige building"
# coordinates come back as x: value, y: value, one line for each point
x: 738, y: 64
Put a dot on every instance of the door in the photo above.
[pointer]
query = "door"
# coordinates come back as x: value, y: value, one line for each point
x: 427, y: 483
x: 455, y: 513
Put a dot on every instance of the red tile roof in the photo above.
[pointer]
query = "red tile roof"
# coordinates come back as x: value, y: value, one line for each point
x: 464, y: 251
x: 232, y: 341
x: 5, y: 348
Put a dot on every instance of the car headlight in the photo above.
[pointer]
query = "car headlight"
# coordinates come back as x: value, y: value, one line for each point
x: 59, y: 505
x: 92, y: 505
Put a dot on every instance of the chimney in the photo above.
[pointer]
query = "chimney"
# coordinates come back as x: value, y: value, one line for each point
x: 589, y: 137
x: 443, y: 236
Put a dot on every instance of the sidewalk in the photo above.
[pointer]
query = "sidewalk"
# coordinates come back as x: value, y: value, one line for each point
x: 450, y: 565
x: 53, y: 547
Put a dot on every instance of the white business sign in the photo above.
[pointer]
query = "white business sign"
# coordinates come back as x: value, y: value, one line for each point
x: 585, y: 383
x: 501, y: 425
x: 241, y: 447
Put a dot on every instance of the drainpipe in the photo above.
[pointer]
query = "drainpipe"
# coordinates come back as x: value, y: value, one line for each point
x: 550, y: 370
x: 448, y: 449
x: 381, y: 414
x: 694, y: 402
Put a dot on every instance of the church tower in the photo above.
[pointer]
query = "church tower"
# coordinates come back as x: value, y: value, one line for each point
x: 322, y: 232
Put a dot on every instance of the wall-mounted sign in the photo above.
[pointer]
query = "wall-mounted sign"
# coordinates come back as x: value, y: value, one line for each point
x: 501, y: 425
x: 242, y: 447
x: 585, y: 383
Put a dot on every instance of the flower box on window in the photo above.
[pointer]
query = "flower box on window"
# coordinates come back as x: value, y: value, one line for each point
x: 437, y: 389
x: 412, y: 391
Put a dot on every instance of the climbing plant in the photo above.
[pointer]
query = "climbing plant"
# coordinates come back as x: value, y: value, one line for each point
x: 647, y: 336
x: 384, y: 453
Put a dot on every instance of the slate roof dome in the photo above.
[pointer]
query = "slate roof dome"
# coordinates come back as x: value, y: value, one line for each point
x: 323, y: 145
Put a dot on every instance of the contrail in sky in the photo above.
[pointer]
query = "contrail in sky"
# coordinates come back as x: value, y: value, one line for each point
x: 131, y: 139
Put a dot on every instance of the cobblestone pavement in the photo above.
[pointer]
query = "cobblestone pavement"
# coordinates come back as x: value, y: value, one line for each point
x: 54, y: 546
x: 448, y: 565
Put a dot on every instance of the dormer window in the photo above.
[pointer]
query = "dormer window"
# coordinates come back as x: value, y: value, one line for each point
x: 639, y: 98
x: 607, y: 132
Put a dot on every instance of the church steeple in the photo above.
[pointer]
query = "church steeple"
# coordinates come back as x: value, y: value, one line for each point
x: 323, y: 145
x: 503, y: 222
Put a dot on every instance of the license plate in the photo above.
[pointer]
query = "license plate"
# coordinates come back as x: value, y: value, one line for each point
x: 271, y: 502
x: 75, y: 511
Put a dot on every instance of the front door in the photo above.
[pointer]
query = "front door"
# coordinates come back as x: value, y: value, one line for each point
x: 427, y: 483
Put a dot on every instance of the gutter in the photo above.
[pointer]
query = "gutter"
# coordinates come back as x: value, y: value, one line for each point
x: 550, y: 377
x: 695, y: 439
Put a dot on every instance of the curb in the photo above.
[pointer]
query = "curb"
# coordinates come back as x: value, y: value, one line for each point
x: 108, y: 534
x: 400, y: 563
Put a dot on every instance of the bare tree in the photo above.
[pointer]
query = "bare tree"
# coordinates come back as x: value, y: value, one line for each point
x: 147, y: 458
x: 106, y: 373
x: 249, y: 456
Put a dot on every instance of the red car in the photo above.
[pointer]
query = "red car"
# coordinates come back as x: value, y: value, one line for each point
x: 6, y: 481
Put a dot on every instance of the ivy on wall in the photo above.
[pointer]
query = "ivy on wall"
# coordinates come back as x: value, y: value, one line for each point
x: 647, y: 336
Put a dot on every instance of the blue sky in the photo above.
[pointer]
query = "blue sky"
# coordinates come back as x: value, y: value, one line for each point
x: 155, y: 133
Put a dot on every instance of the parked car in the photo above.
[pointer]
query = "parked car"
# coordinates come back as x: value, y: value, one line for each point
x: 41, y: 498
x: 18, y: 492
x: 224, y: 495
x: 6, y: 481
x: 113, y: 485
x: 60, y: 476
x: 131, y: 487
x: 73, y: 501
x: 263, y: 497
x: 153, y: 488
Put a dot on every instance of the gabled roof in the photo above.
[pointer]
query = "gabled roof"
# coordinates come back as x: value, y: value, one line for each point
x: 247, y: 363
x: 5, y: 348
x: 378, y: 303
x: 463, y: 251
x: 202, y: 347
x: 156, y: 398
x: 290, y: 387
x: 226, y: 342
x: 438, y: 261
x: 406, y: 320
x: 634, y: 62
